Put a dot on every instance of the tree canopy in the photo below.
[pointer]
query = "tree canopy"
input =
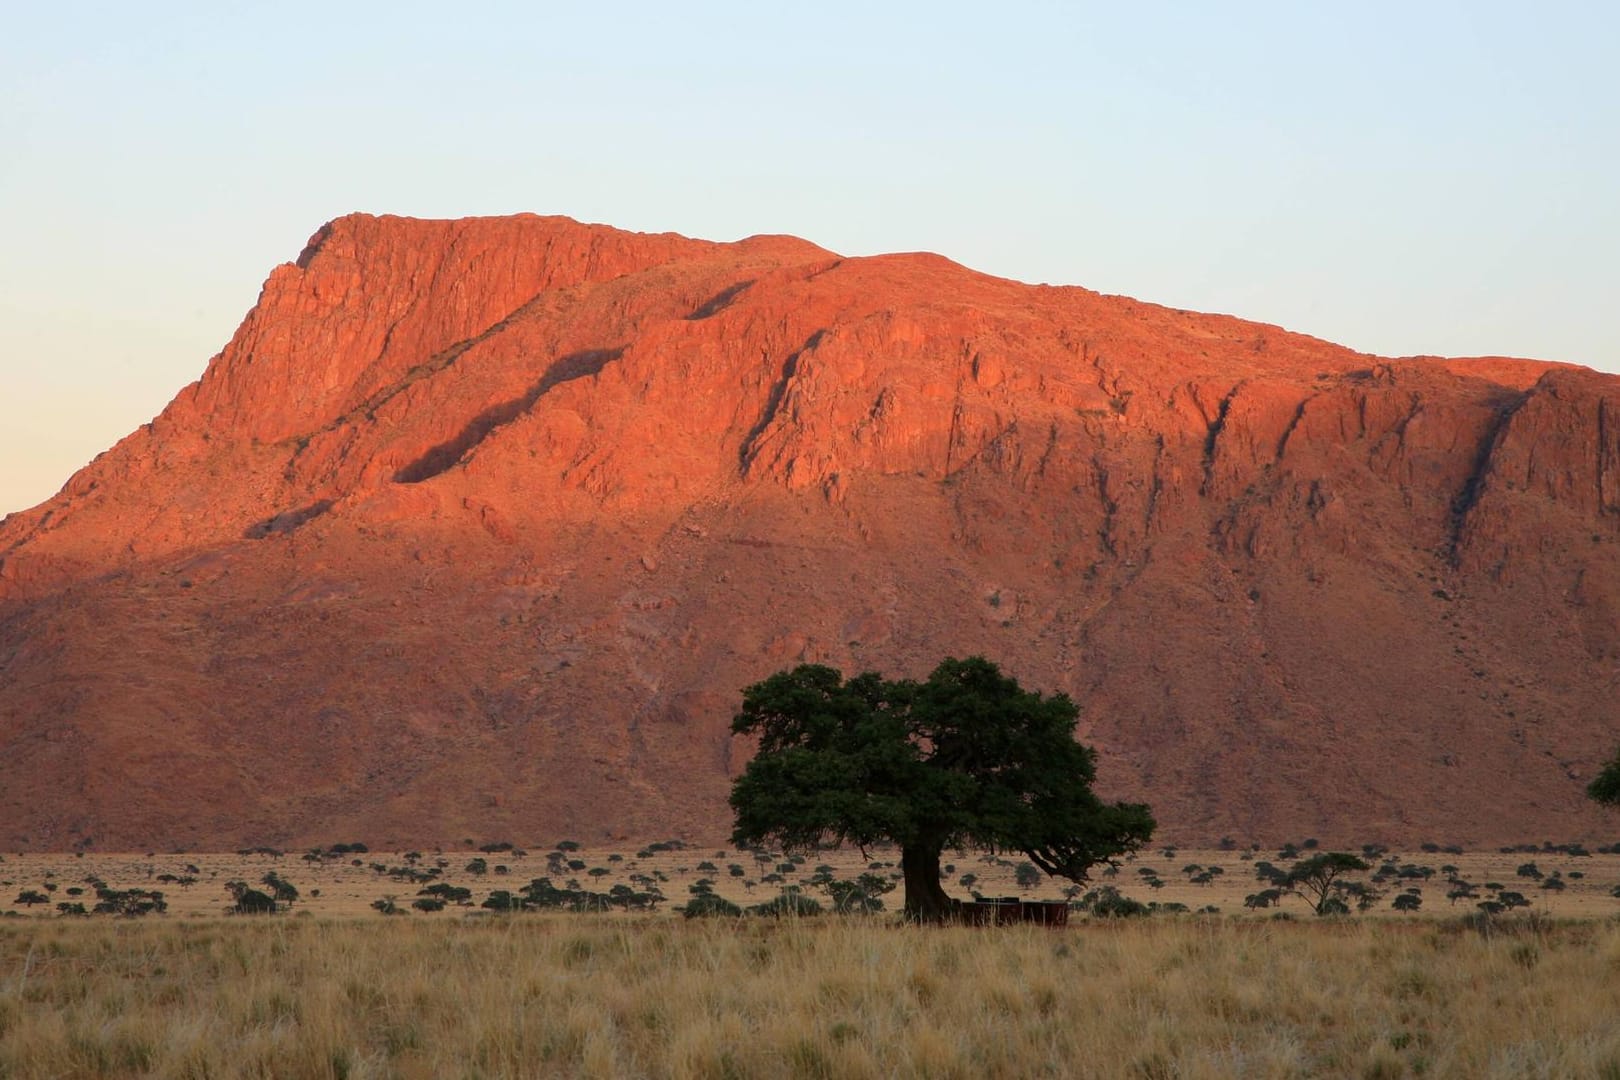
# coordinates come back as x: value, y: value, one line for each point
x: 1318, y: 877
x: 966, y: 758
x: 1605, y: 787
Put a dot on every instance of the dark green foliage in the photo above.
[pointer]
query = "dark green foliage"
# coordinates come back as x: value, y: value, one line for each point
x: 1528, y: 870
x: 1263, y: 899
x: 129, y: 902
x: 428, y: 904
x: 1107, y: 902
x: 447, y: 893
x: 69, y: 907
x: 1026, y: 875
x: 541, y: 895
x: 1271, y: 875
x: 789, y: 903
x: 246, y: 900
x: 387, y: 906
x: 1605, y: 787
x: 280, y: 888
x: 1407, y: 902
x: 710, y: 905
x: 1318, y: 879
x: 631, y: 900
x: 477, y: 866
x: 862, y: 896
x: 1363, y: 894
x: 30, y: 897
x: 965, y: 759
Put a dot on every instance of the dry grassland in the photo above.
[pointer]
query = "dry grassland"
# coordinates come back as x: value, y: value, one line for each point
x: 347, y: 884
x: 614, y: 996
x: 335, y: 990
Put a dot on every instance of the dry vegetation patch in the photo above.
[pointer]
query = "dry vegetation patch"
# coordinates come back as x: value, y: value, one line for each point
x: 348, y: 883
x: 849, y: 997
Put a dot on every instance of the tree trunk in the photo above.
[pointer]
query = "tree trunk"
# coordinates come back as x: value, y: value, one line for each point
x: 926, y: 900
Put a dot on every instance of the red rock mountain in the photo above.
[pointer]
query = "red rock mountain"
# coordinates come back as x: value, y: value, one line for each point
x: 476, y: 528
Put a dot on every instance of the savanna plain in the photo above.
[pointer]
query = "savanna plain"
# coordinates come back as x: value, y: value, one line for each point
x: 1209, y: 984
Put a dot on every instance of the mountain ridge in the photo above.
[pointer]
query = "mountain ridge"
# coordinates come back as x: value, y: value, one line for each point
x: 454, y: 485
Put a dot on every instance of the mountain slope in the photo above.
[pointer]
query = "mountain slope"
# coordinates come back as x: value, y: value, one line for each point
x: 476, y: 528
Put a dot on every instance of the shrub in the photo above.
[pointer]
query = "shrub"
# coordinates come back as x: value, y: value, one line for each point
x: 280, y: 888
x: 709, y: 905
x: 790, y: 902
x: 862, y: 896
x: 1107, y: 902
x: 247, y: 900
x: 445, y: 893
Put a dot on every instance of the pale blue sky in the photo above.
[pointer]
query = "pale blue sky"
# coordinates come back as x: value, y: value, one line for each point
x: 1398, y: 177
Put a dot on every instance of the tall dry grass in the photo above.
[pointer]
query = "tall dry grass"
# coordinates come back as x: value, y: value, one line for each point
x: 600, y: 996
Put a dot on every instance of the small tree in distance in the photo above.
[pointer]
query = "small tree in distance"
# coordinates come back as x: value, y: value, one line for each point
x: 965, y: 759
x: 1318, y: 877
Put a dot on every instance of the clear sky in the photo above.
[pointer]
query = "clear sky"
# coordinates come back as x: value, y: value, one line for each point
x: 1402, y: 178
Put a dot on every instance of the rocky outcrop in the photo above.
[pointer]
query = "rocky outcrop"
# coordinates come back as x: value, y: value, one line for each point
x: 476, y: 528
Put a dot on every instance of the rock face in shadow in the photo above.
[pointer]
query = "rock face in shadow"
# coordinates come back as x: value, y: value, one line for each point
x: 475, y: 529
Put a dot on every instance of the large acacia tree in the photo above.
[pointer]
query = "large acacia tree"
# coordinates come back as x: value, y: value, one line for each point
x: 966, y: 758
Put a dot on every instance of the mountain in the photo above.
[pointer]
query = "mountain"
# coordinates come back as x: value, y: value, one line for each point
x: 475, y: 530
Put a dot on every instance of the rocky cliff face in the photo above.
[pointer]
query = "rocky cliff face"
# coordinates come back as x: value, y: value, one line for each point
x: 476, y: 528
